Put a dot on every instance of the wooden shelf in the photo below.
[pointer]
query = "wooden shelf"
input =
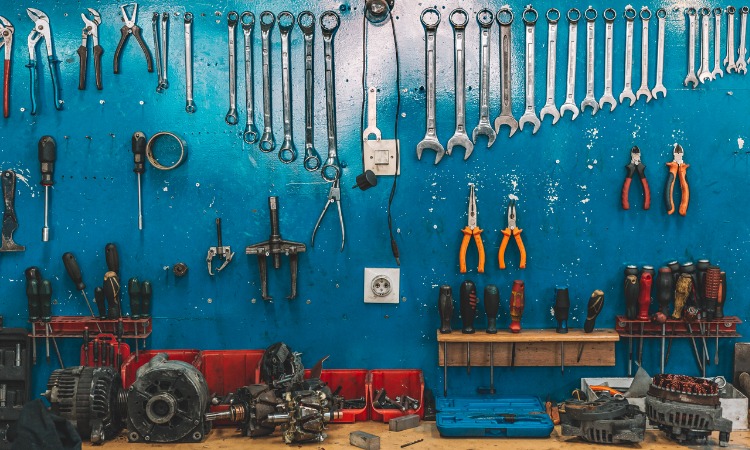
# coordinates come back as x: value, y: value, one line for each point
x: 546, y: 335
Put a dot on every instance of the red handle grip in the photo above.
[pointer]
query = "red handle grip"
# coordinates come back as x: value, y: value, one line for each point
x: 644, y: 297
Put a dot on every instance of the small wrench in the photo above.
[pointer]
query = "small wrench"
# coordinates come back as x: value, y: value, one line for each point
x: 459, y: 18
x: 430, y: 19
x: 717, y: 72
x: 729, y: 59
x: 691, y: 78
x: 231, y: 118
x: 306, y: 22
x: 609, y: 32
x: 644, y: 90
x: 164, y: 35
x: 504, y: 18
x: 704, y: 72
x: 372, y: 116
x: 267, y: 21
x: 157, y: 54
x: 250, y: 135
x: 627, y: 90
x: 742, y: 51
x: 529, y: 17
x: 574, y: 16
x: 329, y: 23
x: 190, y: 103
x: 553, y: 16
x: 590, y: 100
x: 485, y: 18
x: 287, y: 152
x: 661, y: 15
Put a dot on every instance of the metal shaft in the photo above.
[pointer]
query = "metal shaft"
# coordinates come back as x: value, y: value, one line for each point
x: 698, y: 358
x: 663, y: 341
x: 445, y: 369
x: 492, y: 368
x: 468, y: 358
x: 57, y: 349
x: 140, y: 206
x: 46, y: 340
x: 33, y: 343
x: 91, y: 310
x: 45, y: 230
x: 630, y: 351
x: 562, y: 357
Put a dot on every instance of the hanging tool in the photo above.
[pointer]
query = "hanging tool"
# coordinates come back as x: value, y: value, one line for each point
x: 468, y: 304
x: 45, y: 301
x: 275, y: 246
x: 306, y: 22
x: 683, y: 288
x: 32, y: 297
x: 631, y: 301
x: 430, y: 19
x: 334, y: 196
x: 111, y: 288
x: 47, y: 150
x: 711, y: 292
x: 247, y: 20
x: 722, y: 296
x: 189, y: 102
x: 42, y: 30
x: 517, y: 303
x: 644, y: 301
x: 90, y: 28
x: 491, y: 307
x: 485, y: 19
x: 100, y: 301
x: 6, y: 40
x: 664, y: 290
x: 231, y: 117
x: 134, y: 293
x: 677, y: 169
x: 287, y: 151
x: 74, y: 272
x: 224, y: 253
x: 112, y: 258
x: 160, y: 29
x: 146, y: 295
x: 129, y: 28
x: 595, y: 305
x: 636, y: 166
x: 138, y: 143
x: 10, y: 221
x: 512, y: 229
x: 459, y: 18
x: 562, y: 308
x: 471, y: 229
x: 445, y: 308
x: 329, y: 24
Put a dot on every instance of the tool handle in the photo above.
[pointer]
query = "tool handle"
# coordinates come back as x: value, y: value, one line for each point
x: 562, y: 308
x: 669, y: 191
x: 10, y: 221
x: 45, y: 300
x: 98, y: 52
x: 683, y: 287
x: 626, y: 185
x: 644, y: 297
x: 596, y: 303
x: 644, y: 182
x: 503, y: 246
x: 86, y: 340
x: 462, y: 250
x: 480, y: 249
x: 491, y: 307
x: 521, y: 247
x: 113, y: 258
x: 47, y: 153
x: 111, y: 288
x: 33, y: 84
x: 468, y: 303
x: 83, y: 56
x: 721, y: 300
x: 100, y: 301
x: 631, y: 297
x: 74, y: 271
x: 712, y: 286
x: 445, y: 308
x: 6, y: 89
x: 517, y: 303
x: 664, y: 289
x: 53, y: 63
x: 138, y: 143
x: 146, y: 294
x: 124, y: 33
x: 146, y: 53
x: 32, y: 296
x: 134, y: 293
x: 685, y: 189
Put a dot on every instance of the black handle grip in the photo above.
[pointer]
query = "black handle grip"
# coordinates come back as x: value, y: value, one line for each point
x: 98, y: 52
x: 445, y: 308
x: 111, y: 288
x: 134, y: 293
x: 83, y: 56
x: 124, y: 33
x: 468, y: 300
x: 32, y: 296
x: 45, y: 300
x: 562, y: 308
x: 596, y: 303
x: 33, y: 273
x: 632, y: 290
x: 100, y: 301
x: 664, y: 289
x: 112, y: 257
x: 139, y: 38
x: 146, y: 299
x: 139, y: 151
x: 47, y: 151
x: 491, y: 307
x: 74, y: 271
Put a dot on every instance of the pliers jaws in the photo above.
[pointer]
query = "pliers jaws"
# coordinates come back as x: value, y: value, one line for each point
x: 635, y: 166
x: 334, y: 196
x: 42, y: 30
x: 513, y: 230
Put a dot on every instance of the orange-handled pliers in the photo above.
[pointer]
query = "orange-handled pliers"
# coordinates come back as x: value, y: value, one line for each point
x: 6, y: 40
x: 677, y: 168
x: 516, y: 232
x: 471, y: 230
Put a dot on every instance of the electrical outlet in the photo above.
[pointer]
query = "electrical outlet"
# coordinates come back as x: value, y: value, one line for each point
x: 381, y: 285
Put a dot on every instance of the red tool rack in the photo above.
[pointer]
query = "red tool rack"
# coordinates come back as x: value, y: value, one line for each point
x: 73, y: 326
x: 678, y: 328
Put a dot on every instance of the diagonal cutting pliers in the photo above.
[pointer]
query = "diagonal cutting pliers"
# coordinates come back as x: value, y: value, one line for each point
x: 470, y: 230
x: 90, y: 28
x: 40, y: 31
x: 6, y: 40
x: 677, y: 169
x: 512, y: 229
x: 129, y: 28
x: 334, y: 196
x: 635, y: 166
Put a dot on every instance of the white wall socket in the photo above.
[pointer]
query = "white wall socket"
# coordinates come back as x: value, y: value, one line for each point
x: 381, y: 285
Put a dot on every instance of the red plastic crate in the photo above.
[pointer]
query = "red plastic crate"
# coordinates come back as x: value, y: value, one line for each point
x: 397, y: 382
x: 131, y: 365
x: 353, y: 385
x: 228, y: 370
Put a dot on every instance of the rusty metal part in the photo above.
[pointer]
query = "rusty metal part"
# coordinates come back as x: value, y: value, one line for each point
x: 605, y: 420
x: 180, y: 269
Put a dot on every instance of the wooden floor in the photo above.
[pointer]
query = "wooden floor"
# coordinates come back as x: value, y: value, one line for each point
x: 338, y: 438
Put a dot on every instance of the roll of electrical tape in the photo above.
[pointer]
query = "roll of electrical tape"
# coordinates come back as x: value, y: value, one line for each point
x: 150, y: 151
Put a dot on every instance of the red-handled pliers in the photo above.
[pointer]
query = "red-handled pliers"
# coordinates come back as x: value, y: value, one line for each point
x: 6, y: 40
x: 636, y: 166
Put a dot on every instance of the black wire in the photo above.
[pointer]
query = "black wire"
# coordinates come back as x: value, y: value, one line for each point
x: 394, y: 245
x: 364, y: 88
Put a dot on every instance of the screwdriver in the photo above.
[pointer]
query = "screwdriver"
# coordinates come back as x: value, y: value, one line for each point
x: 712, y: 285
x: 32, y: 273
x: 595, y: 305
x: 74, y: 272
x: 562, y: 308
x: 118, y: 360
x: 468, y: 304
x: 631, y: 302
x: 139, y: 158
x: 111, y: 288
x: 664, y: 289
x: 45, y: 300
x: 47, y: 150
x: 145, y: 305
x: 134, y: 292
x: 112, y: 257
x: 517, y: 303
x: 644, y: 301
x: 445, y: 309
x: 100, y: 302
x: 491, y: 307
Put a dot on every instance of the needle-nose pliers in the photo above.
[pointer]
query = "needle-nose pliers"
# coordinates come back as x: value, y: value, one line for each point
x: 512, y: 229
x: 470, y: 230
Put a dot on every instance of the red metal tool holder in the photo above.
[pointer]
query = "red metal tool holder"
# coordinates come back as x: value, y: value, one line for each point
x: 677, y: 328
x: 121, y: 347
x: 73, y: 326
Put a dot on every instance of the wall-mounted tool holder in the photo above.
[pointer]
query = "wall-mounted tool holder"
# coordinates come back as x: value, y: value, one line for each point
x: 73, y: 326
x: 15, y: 376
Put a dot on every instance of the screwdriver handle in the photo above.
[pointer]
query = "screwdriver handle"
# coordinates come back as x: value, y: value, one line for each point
x: 722, y: 295
x: 562, y: 308
x: 468, y: 300
x: 112, y: 257
x: 45, y: 300
x: 32, y: 295
x: 491, y: 307
x: 139, y: 152
x: 86, y: 340
x: 445, y: 308
x: 701, y: 266
x: 517, y: 303
x: 689, y: 269
x: 111, y: 288
x: 74, y: 270
x: 713, y: 283
x: 664, y: 289
x: 644, y: 297
x: 596, y: 303
x: 682, y: 291
x: 631, y: 296
x: 146, y: 299
x: 47, y: 150
x: 100, y: 301
x: 134, y: 293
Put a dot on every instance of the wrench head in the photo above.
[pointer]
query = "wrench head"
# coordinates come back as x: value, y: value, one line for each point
x: 287, y: 152
x: 460, y: 140
x: 627, y: 95
x: 511, y: 122
x: 608, y: 99
x: 691, y: 78
x: 741, y: 66
x: 267, y: 142
x: 371, y: 131
x: 484, y: 129
x: 644, y: 91
x: 529, y: 118
x: 717, y: 73
x: 430, y: 143
x: 250, y: 135
x: 569, y: 107
x: 705, y: 76
x: 550, y: 110
x: 657, y: 90
x: 592, y: 103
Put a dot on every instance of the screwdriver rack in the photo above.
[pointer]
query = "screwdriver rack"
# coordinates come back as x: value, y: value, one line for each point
x: 73, y: 326
x: 677, y: 328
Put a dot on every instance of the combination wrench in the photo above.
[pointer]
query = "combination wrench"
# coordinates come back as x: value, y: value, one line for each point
x: 529, y: 17
x: 459, y: 18
x: 574, y: 16
x: 553, y: 16
x: 729, y: 59
x: 609, y: 15
x: 627, y: 90
x: 741, y: 63
x: 231, y: 117
x: 485, y: 18
x: 590, y: 100
x: 329, y: 23
x: 661, y: 16
x: 250, y: 135
x: 267, y: 141
x: 691, y: 78
x: 644, y: 90
x: 157, y: 55
x: 287, y: 151
x: 504, y: 18
x: 717, y: 72
x: 306, y: 22
x: 704, y: 71
x: 189, y: 102
x: 430, y: 19
x: 164, y: 35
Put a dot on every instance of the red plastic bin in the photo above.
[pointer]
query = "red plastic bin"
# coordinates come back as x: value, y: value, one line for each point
x: 397, y: 382
x: 228, y: 370
x: 353, y: 384
x: 130, y: 367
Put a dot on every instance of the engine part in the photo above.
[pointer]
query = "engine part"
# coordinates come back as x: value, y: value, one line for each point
x: 88, y: 397
x: 280, y: 367
x: 606, y: 420
x: 167, y: 403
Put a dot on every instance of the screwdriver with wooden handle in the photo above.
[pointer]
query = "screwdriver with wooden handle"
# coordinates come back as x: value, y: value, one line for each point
x: 139, y: 158
x: 47, y: 152
x: 74, y: 272
x: 594, y: 307
x: 134, y: 293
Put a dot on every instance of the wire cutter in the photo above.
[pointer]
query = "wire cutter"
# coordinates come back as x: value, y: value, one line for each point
x: 677, y: 168
x: 90, y: 28
x: 470, y: 230
x: 6, y: 40
x: 129, y: 28
x: 635, y: 166
x: 334, y: 196
x: 516, y: 232
x: 42, y: 30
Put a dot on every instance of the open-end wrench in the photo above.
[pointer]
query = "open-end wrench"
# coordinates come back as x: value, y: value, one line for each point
x: 430, y: 19
x: 704, y: 71
x: 231, y: 118
x: 459, y: 18
x: 529, y: 17
x: 329, y: 23
x: 267, y: 141
x: 553, y: 16
x: 661, y: 16
x: 644, y: 90
x: 372, y: 116
x: 189, y: 102
x: 691, y: 78
x: 306, y: 22
x: 742, y: 51
x: 590, y: 100
x: 574, y: 16
x: 250, y: 135
x: 164, y: 35
x: 717, y: 72
x: 485, y: 18
x: 287, y: 151
x: 729, y: 58
x: 504, y: 18
x: 627, y: 90
x: 609, y: 15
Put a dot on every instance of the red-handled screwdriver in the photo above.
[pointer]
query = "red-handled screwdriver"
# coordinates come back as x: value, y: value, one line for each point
x: 47, y: 150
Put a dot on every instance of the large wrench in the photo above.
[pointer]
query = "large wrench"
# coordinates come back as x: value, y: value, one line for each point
x: 661, y: 15
x: 553, y: 16
x: 287, y: 152
x: 250, y: 135
x: 306, y: 22
x: 729, y: 59
x: 329, y: 23
x: 459, y: 18
x: 717, y: 72
x: 529, y: 17
x: 574, y: 16
x: 267, y: 141
x: 504, y: 18
x: 609, y: 15
x: 189, y: 103
x: 704, y: 71
x: 691, y: 78
x: 742, y: 51
x: 430, y: 19
x: 644, y: 90
x: 485, y: 18
x: 590, y: 100
x: 231, y: 118
x: 627, y: 90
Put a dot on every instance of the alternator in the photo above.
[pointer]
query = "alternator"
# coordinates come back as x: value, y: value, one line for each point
x: 606, y: 420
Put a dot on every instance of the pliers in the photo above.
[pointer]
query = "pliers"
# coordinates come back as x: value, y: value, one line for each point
x: 470, y: 230
x: 42, y: 30
x: 677, y: 168
x: 129, y: 28
x: 334, y: 196
x: 636, y: 166
x: 6, y: 40
x: 91, y: 28
x: 512, y: 229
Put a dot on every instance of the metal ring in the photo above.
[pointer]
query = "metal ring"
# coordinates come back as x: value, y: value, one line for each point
x: 731, y: 9
x: 744, y: 9
x: 285, y: 20
x: 485, y: 18
x: 267, y: 20
x: 704, y: 11
x: 646, y: 13
x: 150, y: 150
x: 454, y: 22
x: 717, y: 11
x: 232, y: 17
x: 629, y: 14
x: 247, y: 19
x: 661, y: 13
x: 188, y: 17
x: 691, y: 11
x: 527, y: 14
x: 431, y: 11
x: 504, y: 16
x: 609, y: 15
x: 574, y: 15
x: 306, y: 22
x: 329, y: 16
x: 588, y: 14
x: 553, y: 15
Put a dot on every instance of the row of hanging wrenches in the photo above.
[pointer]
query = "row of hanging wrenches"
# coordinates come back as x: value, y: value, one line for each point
x: 704, y: 73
